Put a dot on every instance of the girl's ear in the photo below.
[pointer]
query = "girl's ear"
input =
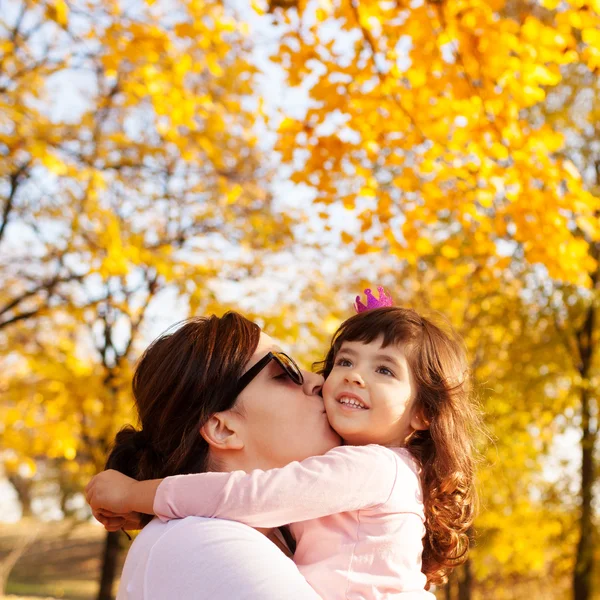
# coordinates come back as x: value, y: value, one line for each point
x: 418, y: 421
x: 221, y: 432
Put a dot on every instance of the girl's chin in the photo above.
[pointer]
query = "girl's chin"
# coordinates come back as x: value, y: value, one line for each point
x: 345, y: 430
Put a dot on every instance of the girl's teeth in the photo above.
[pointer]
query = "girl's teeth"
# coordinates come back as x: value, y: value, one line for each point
x: 351, y: 402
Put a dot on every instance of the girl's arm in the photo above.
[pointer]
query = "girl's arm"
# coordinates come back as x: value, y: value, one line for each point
x: 113, y: 496
x: 346, y: 478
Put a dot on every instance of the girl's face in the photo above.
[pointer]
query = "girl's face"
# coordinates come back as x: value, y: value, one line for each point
x: 281, y: 421
x: 369, y: 395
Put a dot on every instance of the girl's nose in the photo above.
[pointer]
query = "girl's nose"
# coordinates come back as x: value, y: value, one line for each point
x: 354, y: 377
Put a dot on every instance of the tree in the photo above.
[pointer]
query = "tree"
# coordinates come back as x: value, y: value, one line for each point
x: 573, y: 109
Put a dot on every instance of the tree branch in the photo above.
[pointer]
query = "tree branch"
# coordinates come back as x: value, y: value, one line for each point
x: 15, y: 180
x: 47, y: 286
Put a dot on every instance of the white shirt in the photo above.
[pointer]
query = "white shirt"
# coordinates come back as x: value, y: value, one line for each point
x: 208, y: 559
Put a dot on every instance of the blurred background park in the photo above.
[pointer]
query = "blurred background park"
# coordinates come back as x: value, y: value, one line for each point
x: 166, y: 158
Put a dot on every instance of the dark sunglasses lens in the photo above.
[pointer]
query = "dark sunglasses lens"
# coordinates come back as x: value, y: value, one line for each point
x: 290, y: 367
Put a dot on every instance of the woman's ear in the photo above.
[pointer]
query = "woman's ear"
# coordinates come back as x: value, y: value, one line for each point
x: 221, y: 432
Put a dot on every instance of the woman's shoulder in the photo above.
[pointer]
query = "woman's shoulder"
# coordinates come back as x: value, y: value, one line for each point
x: 161, y: 541
x: 199, y: 533
x: 195, y: 552
x: 190, y: 543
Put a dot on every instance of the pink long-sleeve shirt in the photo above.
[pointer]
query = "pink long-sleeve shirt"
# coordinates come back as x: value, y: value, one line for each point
x: 356, y: 513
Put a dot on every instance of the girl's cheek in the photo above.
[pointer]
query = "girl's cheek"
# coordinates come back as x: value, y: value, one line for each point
x: 327, y: 385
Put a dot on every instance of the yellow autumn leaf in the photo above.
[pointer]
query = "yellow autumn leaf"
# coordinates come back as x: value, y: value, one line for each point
x: 423, y: 246
x: 347, y: 238
x: 58, y: 11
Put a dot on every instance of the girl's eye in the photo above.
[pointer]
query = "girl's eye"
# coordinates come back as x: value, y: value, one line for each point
x: 385, y: 371
x: 343, y: 362
x: 282, y: 375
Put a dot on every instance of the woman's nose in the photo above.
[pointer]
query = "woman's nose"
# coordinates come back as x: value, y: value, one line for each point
x: 313, y: 383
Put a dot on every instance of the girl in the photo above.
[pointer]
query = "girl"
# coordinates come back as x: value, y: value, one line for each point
x: 387, y: 514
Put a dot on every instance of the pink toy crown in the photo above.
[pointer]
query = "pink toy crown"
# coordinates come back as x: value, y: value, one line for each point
x: 372, y: 302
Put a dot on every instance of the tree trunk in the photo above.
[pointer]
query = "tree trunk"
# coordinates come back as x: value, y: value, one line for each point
x: 584, y: 561
x: 112, y: 549
x: 465, y: 581
x: 451, y: 589
x: 582, y: 576
x: 448, y: 591
x: 23, y: 487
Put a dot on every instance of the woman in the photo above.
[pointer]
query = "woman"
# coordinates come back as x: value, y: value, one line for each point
x: 217, y: 394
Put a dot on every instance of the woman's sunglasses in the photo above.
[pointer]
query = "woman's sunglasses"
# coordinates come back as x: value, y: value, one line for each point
x: 290, y: 368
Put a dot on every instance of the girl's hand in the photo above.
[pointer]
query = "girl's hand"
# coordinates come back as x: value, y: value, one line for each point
x: 111, y: 492
x: 115, y: 522
x: 117, y: 495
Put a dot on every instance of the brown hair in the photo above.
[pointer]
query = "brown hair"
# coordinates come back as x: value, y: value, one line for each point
x: 185, y: 376
x: 445, y: 451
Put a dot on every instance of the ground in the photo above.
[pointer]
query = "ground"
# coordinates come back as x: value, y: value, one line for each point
x: 63, y: 561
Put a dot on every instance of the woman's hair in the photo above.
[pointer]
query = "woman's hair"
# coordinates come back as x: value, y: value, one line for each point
x: 183, y: 378
x: 446, y: 450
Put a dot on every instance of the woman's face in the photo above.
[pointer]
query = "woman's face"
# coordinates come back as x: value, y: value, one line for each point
x: 281, y: 421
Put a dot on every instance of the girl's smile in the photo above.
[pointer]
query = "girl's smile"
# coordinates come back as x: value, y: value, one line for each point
x: 351, y: 401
